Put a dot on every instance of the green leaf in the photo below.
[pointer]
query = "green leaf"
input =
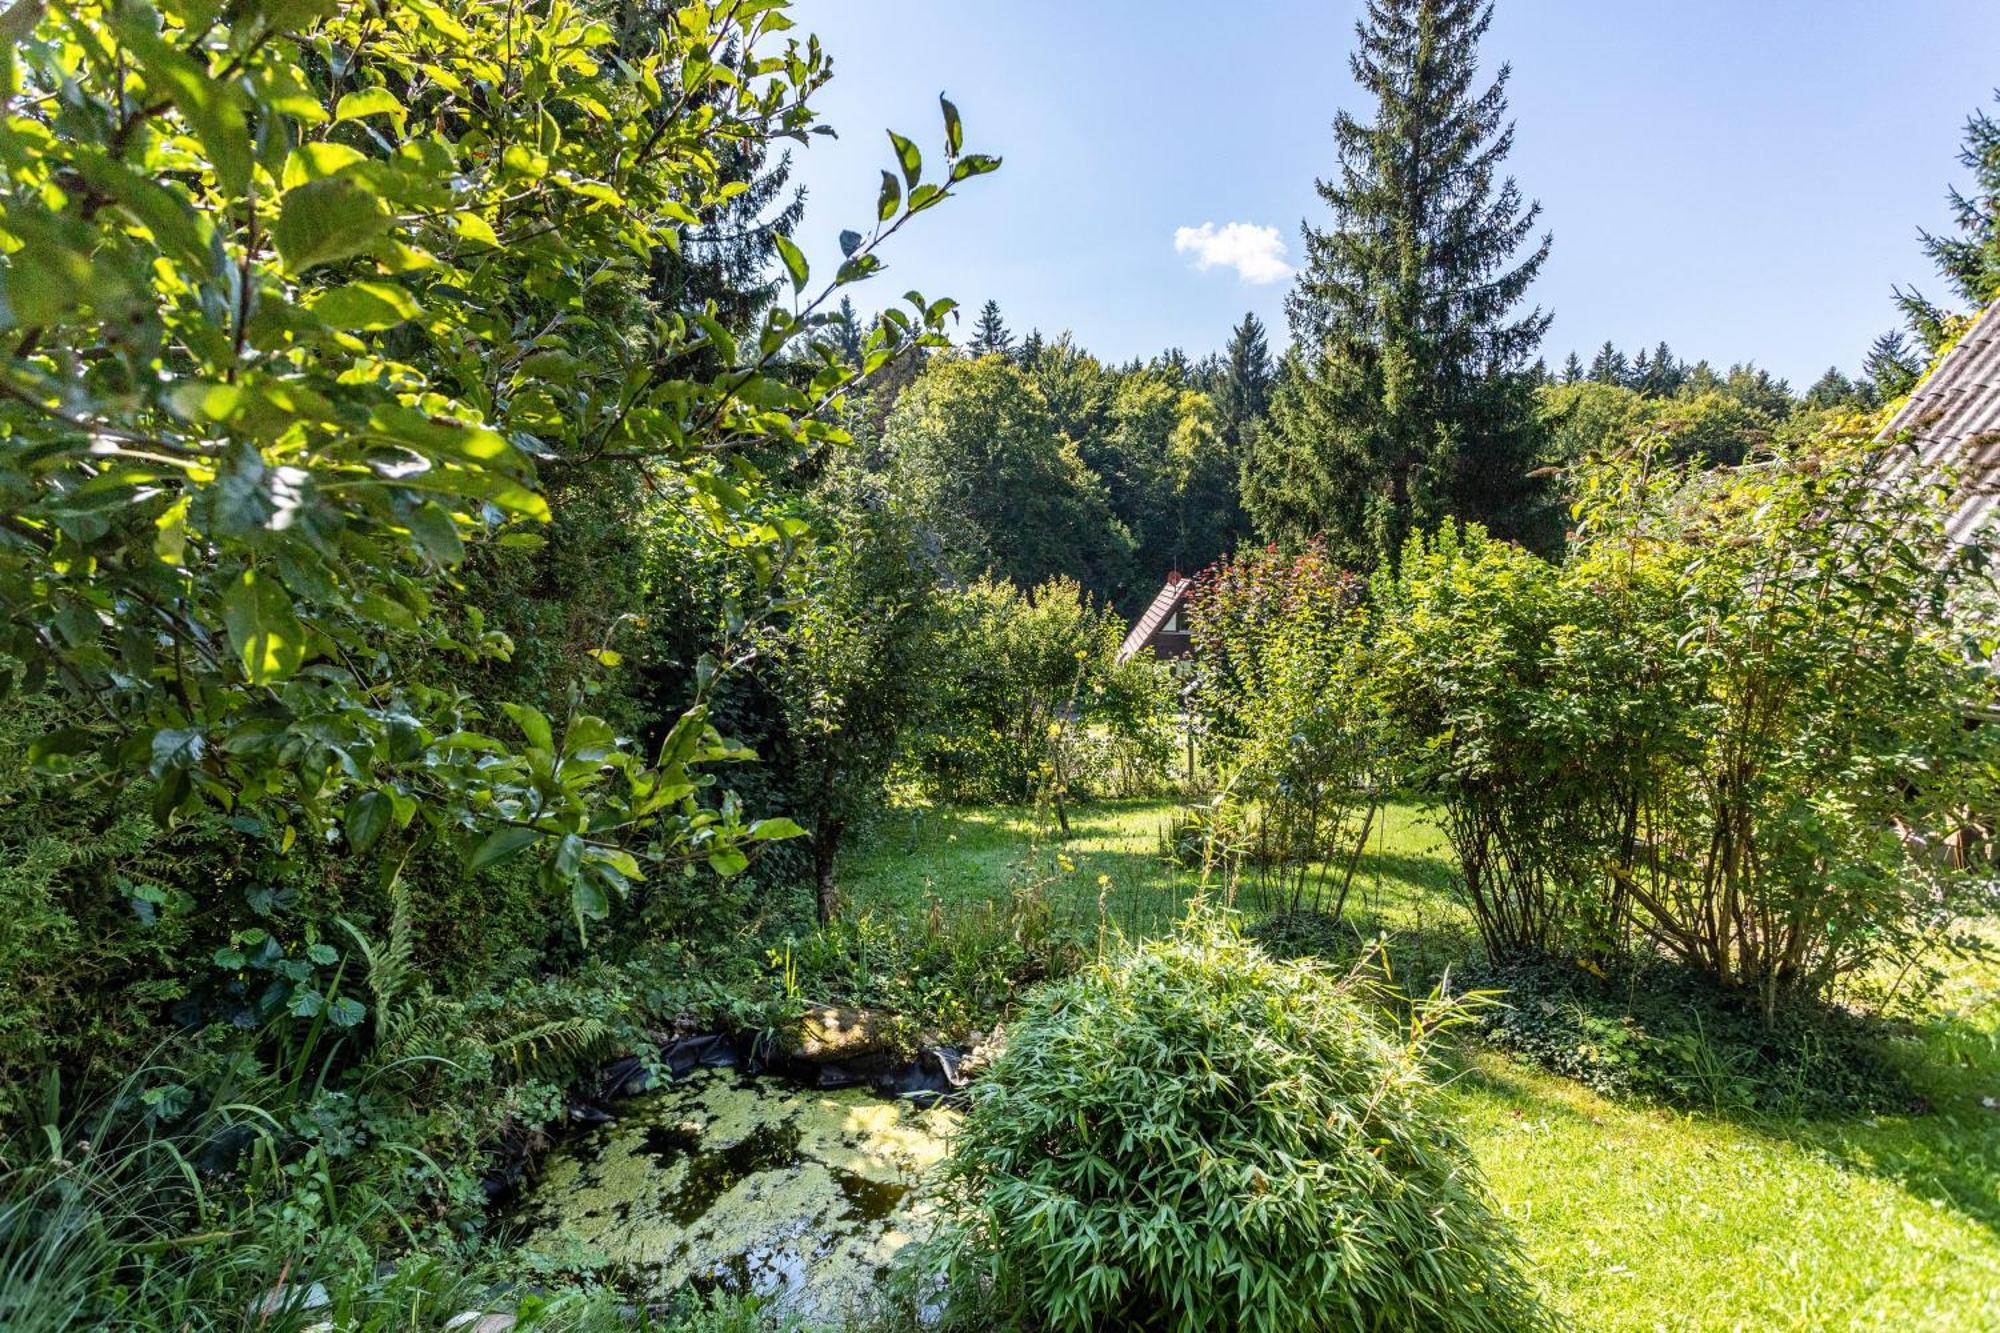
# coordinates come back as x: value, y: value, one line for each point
x: 318, y: 160
x: 474, y: 228
x: 62, y: 742
x: 532, y: 723
x: 850, y: 241
x: 588, y: 901
x: 208, y: 105
x: 500, y: 844
x: 520, y: 160
x: 270, y: 642
x: 954, y: 131
x: 728, y: 862
x: 907, y: 155
x: 436, y: 533
x: 891, y: 197
x: 291, y: 15
x: 327, y: 220
x: 364, y: 307
x: 368, y: 102
x: 345, y: 1012
x: 973, y: 164
x: 174, y: 222
x: 367, y: 818
x: 177, y: 749
x: 770, y: 830
x: 795, y: 260
x: 323, y: 954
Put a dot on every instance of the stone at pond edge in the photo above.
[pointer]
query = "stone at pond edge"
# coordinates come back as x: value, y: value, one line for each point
x: 478, y: 1321
x: 864, y: 1040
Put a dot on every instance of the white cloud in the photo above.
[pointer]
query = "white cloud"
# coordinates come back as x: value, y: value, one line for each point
x: 1256, y: 253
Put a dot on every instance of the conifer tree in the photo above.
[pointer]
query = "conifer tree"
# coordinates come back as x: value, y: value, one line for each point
x: 1413, y: 400
x: 990, y: 335
x: 1245, y: 391
x: 729, y: 257
x: 1668, y: 373
x: 1835, y: 390
x: 846, y: 328
x: 1969, y: 261
x: 1891, y: 366
x: 1573, y: 369
x: 1609, y: 365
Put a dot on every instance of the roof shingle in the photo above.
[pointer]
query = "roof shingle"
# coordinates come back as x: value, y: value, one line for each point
x: 1953, y: 418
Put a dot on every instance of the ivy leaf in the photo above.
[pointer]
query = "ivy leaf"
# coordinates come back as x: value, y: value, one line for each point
x: 327, y: 220
x: 270, y: 642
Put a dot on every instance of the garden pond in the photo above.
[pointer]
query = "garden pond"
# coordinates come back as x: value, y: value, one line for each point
x: 723, y: 1182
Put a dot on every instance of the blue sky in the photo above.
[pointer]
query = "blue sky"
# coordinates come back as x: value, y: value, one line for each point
x: 1743, y: 178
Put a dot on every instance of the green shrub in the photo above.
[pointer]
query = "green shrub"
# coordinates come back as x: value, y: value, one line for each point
x: 1034, y: 703
x: 1665, y: 1031
x: 1195, y: 1136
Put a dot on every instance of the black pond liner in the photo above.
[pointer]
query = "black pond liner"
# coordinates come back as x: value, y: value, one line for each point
x: 934, y: 1077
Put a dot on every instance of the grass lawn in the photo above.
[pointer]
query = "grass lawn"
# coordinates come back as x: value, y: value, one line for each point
x: 1635, y: 1216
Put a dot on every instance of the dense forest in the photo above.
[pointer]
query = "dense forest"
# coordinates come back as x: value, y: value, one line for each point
x: 496, y: 637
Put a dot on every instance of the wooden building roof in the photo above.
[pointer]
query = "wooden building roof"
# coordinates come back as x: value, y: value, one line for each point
x: 1162, y: 626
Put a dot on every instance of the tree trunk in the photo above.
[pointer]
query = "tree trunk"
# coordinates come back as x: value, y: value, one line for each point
x: 825, y: 843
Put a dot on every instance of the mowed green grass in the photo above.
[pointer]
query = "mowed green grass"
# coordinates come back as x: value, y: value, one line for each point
x: 1634, y: 1216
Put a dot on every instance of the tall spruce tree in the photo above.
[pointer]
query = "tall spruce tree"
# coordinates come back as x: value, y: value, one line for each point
x: 1892, y: 366
x: 1969, y: 261
x: 1668, y: 373
x: 845, y: 326
x: 1412, y: 400
x: 990, y: 335
x: 728, y: 257
x: 1609, y: 366
x: 1245, y: 390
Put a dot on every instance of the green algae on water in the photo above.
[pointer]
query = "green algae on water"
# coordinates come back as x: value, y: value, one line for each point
x: 722, y: 1182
